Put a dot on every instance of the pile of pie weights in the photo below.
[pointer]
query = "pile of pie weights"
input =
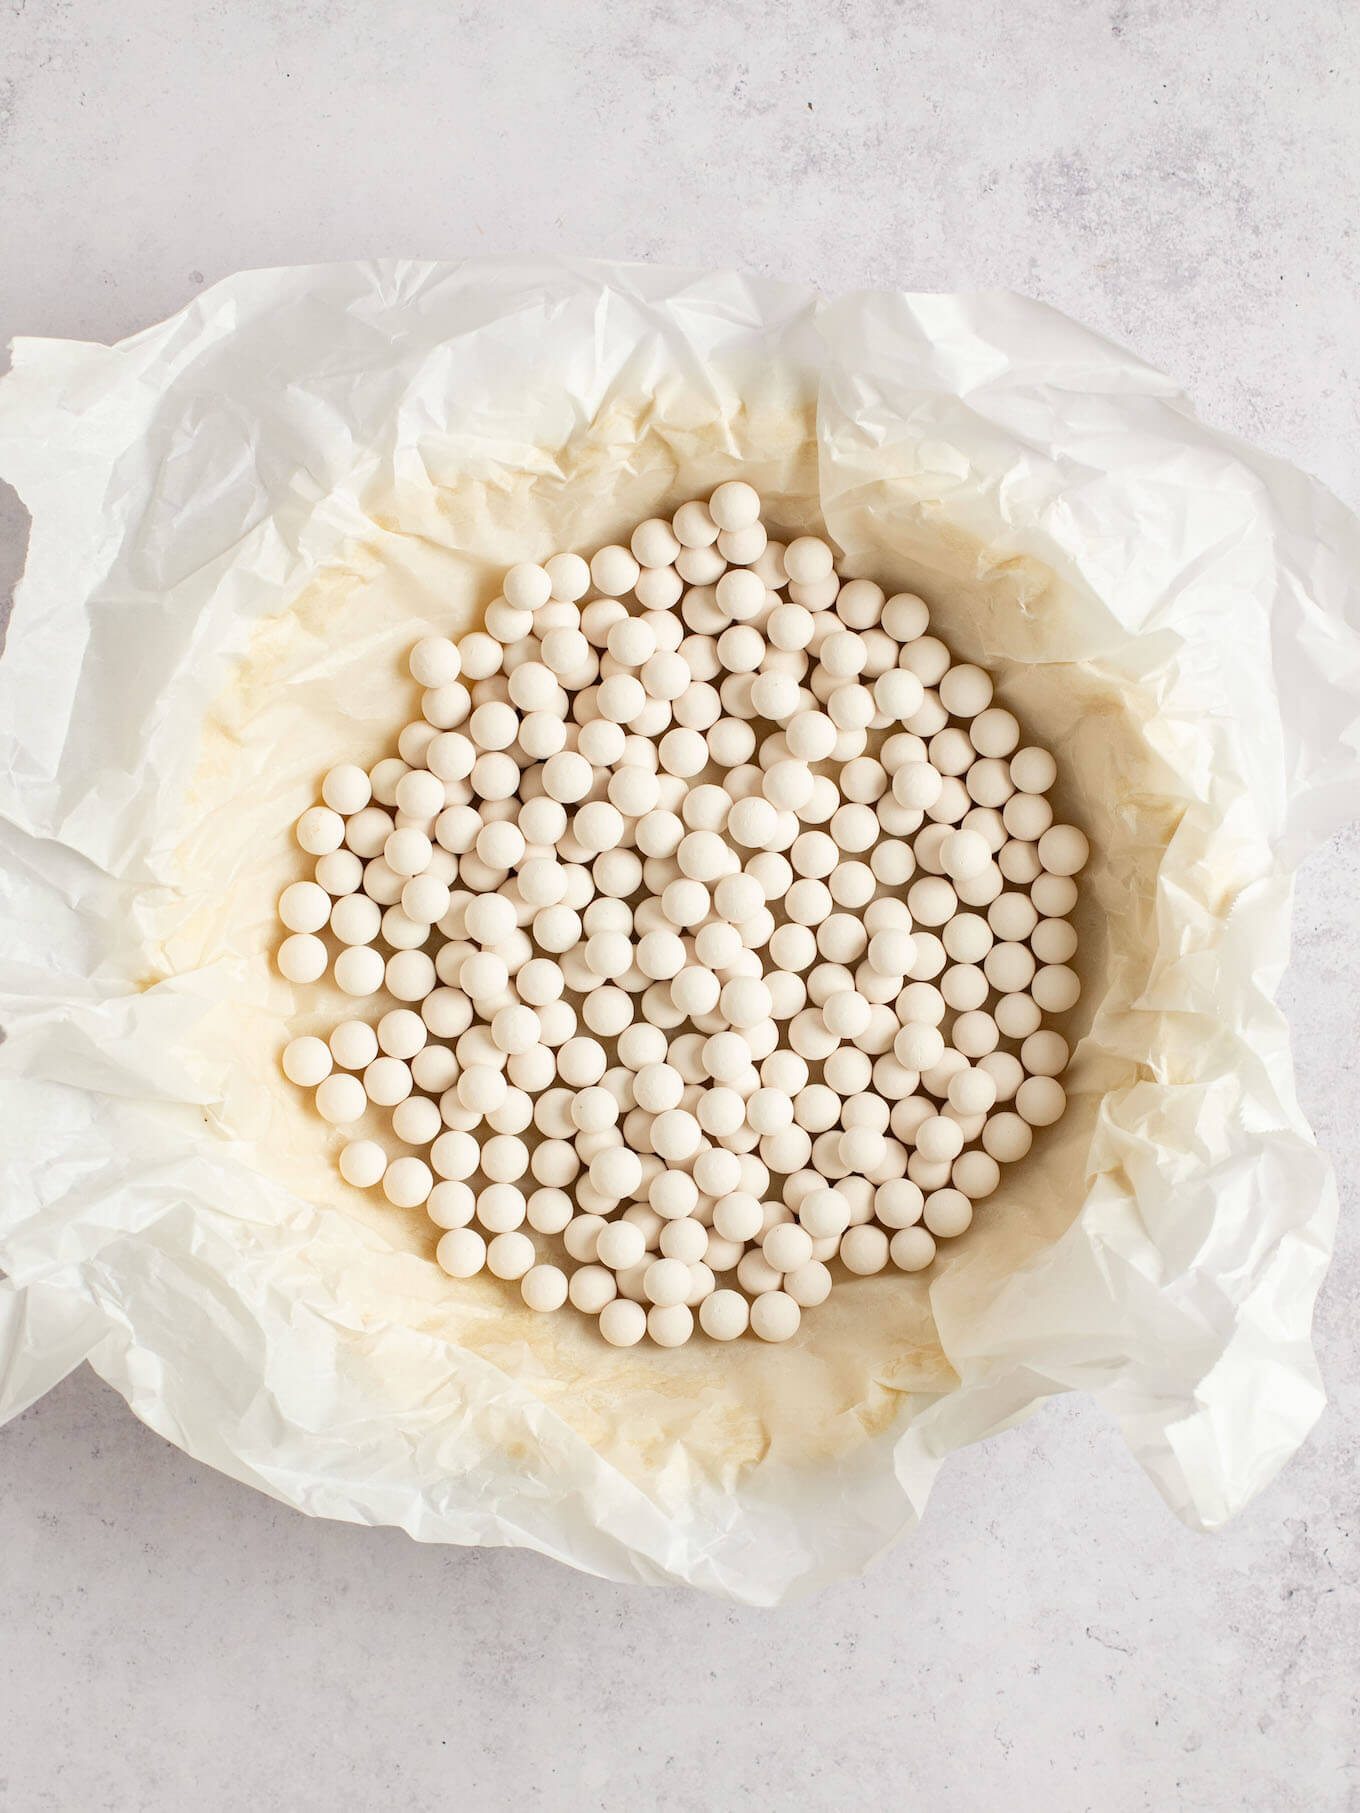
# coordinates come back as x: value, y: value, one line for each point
x: 709, y: 916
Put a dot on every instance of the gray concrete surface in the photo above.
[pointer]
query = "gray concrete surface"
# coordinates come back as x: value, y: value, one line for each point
x: 1181, y: 177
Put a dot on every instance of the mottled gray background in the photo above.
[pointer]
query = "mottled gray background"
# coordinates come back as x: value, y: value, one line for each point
x: 1180, y: 175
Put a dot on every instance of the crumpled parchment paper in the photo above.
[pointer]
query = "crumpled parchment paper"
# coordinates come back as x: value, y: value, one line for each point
x: 241, y: 520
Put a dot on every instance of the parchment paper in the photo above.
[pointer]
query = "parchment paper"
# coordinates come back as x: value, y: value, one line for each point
x: 241, y: 520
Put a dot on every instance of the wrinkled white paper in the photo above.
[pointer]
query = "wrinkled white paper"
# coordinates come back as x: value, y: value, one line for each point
x: 241, y: 519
